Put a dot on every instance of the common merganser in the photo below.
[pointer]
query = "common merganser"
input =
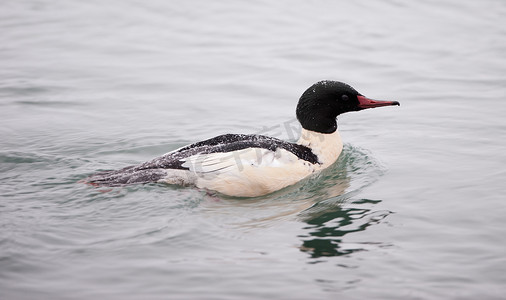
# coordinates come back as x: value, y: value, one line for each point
x: 249, y: 165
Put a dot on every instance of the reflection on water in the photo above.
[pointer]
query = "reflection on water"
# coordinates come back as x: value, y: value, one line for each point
x: 331, y: 219
x: 324, y: 202
x: 327, y: 226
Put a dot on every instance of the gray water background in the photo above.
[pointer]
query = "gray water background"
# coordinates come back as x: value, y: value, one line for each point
x: 413, y: 209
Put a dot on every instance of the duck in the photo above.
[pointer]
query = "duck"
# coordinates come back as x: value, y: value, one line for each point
x: 252, y: 165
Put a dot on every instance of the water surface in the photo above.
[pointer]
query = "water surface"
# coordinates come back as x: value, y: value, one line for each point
x: 413, y: 209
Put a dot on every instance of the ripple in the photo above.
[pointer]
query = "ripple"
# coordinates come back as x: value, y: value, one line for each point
x: 354, y: 170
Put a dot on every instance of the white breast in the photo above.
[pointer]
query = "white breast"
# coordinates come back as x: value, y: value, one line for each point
x: 327, y: 146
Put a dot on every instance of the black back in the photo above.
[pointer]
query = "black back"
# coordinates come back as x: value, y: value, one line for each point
x: 228, y: 143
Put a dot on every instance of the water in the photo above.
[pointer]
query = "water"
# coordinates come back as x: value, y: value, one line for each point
x: 413, y: 209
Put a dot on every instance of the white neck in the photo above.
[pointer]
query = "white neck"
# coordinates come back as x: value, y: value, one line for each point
x: 327, y: 146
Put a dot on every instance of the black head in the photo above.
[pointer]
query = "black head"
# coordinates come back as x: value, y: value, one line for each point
x: 321, y: 103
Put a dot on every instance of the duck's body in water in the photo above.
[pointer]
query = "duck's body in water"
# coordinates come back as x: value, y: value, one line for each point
x: 254, y: 165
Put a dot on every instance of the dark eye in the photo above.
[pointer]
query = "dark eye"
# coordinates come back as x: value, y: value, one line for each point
x: 344, y: 97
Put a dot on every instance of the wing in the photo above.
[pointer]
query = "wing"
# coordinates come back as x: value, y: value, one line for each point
x: 221, y: 162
